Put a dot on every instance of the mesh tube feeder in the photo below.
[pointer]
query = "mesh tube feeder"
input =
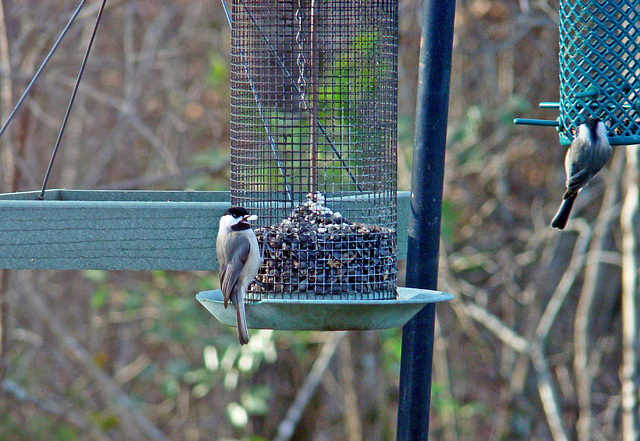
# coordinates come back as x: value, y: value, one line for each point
x: 599, y: 69
x: 314, y: 155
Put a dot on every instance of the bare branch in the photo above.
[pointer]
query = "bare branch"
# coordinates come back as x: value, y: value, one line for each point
x: 567, y: 281
x: 56, y: 410
x: 136, y: 424
x: 441, y: 372
x: 6, y: 100
x: 593, y: 273
x: 547, y: 394
x: 304, y: 395
x: 498, y: 328
x: 629, y: 219
x: 347, y: 380
x: 9, y: 173
x: 147, y: 181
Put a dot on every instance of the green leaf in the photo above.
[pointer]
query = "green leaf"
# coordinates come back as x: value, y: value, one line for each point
x: 96, y: 276
x: 256, y: 401
x: 65, y: 433
x: 218, y: 70
x: 170, y: 388
x: 105, y: 421
x: 99, y: 298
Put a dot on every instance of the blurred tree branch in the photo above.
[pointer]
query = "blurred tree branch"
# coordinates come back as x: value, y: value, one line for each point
x: 8, y: 172
x: 149, y: 181
x: 56, y: 410
x: 594, y: 275
x: 441, y: 373
x: 133, y: 422
x: 353, y: 422
x: 630, y: 222
x: 287, y: 427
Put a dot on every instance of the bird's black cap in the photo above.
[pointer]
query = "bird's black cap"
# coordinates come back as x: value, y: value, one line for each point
x: 592, y: 123
x: 237, y: 212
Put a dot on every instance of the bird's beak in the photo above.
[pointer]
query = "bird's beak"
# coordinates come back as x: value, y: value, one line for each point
x: 251, y: 217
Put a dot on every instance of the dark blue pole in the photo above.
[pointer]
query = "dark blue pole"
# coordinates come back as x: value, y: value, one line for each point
x: 426, y: 208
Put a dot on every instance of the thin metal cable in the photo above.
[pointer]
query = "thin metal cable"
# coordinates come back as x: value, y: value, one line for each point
x: 71, y: 100
x: 262, y: 115
x: 226, y: 12
x: 41, y: 68
x: 266, y: 127
x: 300, y: 60
x: 301, y: 93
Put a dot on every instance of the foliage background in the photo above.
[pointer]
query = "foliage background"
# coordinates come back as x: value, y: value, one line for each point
x: 530, y: 349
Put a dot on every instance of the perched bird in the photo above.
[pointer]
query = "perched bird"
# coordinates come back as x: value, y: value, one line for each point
x: 587, y: 154
x: 239, y: 259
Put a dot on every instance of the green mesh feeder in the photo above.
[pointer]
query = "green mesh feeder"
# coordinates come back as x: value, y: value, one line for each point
x: 599, y: 69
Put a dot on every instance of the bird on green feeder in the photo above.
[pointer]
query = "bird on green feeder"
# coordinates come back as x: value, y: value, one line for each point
x: 587, y: 154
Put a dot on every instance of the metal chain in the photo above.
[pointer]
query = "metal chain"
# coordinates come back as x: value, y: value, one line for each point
x: 300, y: 61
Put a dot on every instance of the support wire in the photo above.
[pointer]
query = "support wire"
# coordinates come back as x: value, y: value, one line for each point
x: 262, y: 115
x: 71, y: 100
x: 41, y: 68
x: 296, y: 87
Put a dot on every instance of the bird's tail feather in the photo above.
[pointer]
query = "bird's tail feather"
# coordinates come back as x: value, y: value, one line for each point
x: 243, y: 332
x: 562, y: 216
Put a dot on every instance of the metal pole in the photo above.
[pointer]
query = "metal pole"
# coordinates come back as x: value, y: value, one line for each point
x: 426, y: 208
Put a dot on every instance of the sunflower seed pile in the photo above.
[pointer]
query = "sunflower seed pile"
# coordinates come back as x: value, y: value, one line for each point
x: 317, y: 252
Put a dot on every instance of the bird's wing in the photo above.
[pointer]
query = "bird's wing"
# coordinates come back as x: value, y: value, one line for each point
x: 578, y: 179
x: 239, y: 247
x: 579, y: 167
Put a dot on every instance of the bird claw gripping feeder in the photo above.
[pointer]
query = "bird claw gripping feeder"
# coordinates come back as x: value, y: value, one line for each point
x: 599, y: 69
x: 313, y: 154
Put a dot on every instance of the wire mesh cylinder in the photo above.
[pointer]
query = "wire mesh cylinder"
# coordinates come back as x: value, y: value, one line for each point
x: 600, y: 67
x: 313, y: 143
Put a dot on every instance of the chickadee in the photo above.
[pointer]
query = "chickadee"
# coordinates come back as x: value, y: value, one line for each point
x: 239, y: 259
x: 587, y: 154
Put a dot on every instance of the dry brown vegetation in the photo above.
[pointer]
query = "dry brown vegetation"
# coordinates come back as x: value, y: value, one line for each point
x: 530, y: 349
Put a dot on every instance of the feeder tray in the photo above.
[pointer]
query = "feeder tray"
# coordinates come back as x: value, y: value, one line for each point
x: 599, y: 69
x: 167, y: 230
x: 110, y: 230
x: 325, y: 315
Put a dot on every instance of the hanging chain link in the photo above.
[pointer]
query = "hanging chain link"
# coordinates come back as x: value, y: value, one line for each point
x: 301, y: 61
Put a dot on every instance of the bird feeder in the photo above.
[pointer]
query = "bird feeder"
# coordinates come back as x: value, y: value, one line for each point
x: 599, y: 69
x: 313, y: 154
